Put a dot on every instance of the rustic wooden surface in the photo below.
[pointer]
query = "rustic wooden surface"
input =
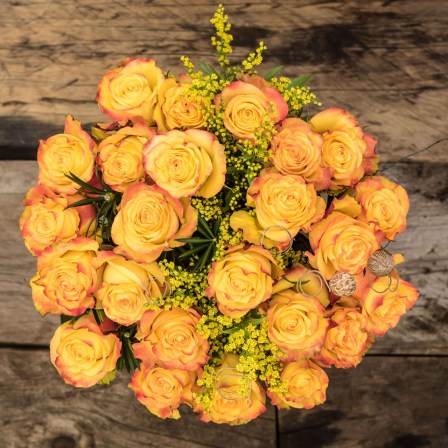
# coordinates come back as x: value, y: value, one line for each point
x: 385, y: 61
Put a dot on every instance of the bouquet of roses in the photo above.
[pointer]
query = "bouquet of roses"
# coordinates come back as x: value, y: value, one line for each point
x: 215, y: 240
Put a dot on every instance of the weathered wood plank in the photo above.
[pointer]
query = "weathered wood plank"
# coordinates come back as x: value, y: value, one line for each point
x: 39, y: 410
x: 385, y: 402
x: 385, y: 61
x: 424, y: 245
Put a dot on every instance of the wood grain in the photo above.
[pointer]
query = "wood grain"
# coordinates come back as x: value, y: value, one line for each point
x: 39, y: 410
x: 421, y: 331
x: 388, y: 402
x: 383, y: 60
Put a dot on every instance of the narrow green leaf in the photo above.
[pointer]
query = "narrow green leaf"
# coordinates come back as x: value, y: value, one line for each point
x: 84, y: 202
x: 203, y: 223
x: 207, y: 68
x: 300, y: 81
x: 193, y: 251
x: 65, y: 318
x: 273, y: 73
x: 216, y: 226
x: 80, y: 182
x: 195, y: 240
x: 204, y: 259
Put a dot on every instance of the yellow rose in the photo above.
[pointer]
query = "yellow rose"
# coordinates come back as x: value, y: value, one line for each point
x: 163, y: 390
x: 242, y: 279
x: 177, y: 109
x: 246, y: 107
x: 126, y: 286
x: 296, y: 149
x: 169, y: 339
x: 341, y: 243
x: 61, y: 154
x: 186, y: 163
x: 305, y: 281
x: 284, y: 204
x: 228, y: 405
x: 385, y: 204
x: 307, y: 386
x: 149, y: 221
x: 383, y: 304
x: 129, y: 92
x: 65, y: 280
x: 120, y: 156
x: 347, y: 151
x: 46, y: 221
x: 347, y: 340
x: 297, y: 324
x: 82, y: 354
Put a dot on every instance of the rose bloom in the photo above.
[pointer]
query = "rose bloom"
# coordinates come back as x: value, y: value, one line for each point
x: 186, y: 163
x: 169, y: 339
x: 307, y: 386
x: 347, y: 339
x: 163, y: 390
x: 61, y: 154
x: 228, y: 405
x: 341, y: 243
x: 297, y: 324
x: 149, y: 221
x: 284, y: 205
x: 126, y: 286
x: 65, y: 280
x: 129, y: 92
x: 296, y: 149
x: 242, y: 279
x: 246, y: 107
x: 120, y: 156
x: 306, y: 281
x: 384, y: 203
x: 177, y: 109
x: 384, y: 309
x: 82, y: 354
x: 347, y: 150
x: 46, y: 221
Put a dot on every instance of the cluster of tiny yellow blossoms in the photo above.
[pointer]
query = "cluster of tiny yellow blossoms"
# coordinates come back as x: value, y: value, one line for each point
x: 222, y: 40
x: 254, y: 59
x: 186, y: 288
x: 227, y: 237
x: 208, y: 208
x: 289, y: 258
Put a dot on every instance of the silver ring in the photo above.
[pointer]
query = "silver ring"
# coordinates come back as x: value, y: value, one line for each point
x: 263, y: 236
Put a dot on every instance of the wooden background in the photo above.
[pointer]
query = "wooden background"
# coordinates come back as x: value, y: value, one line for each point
x: 385, y: 61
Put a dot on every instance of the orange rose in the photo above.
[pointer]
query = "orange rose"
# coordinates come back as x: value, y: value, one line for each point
x: 65, y: 280
x: 284, y: 204
x: 242, y: 280
x: 126, y: 287
x: 46, y: 221
x: 297, y: 324
x: 347, y: 339
x: 190, y: 163
x: 163, y: 390
x: 385, y: 204
x: 384, y: 309
x: 61, y: 154
x: 296, y: 149
x: 120, y: 156
x: 341, y: 243
x: 149, y: 221
x: 247, y: 107
x: 228, y: 405
x: 82, y: 354
x: 169, y: 339
x: 307, y: 386
x: 129, y: 92
x: 177, y: 109
x: 347, y: 151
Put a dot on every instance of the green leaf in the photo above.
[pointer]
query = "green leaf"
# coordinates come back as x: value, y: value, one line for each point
x: 81, y: 183
x: 84, y: 202
x: 65, y: 318
x: 195, y: 240
x: 300, y: 81
x: 193, y: 251
x: 216, y: 226
x: 203, y: 224
x: 207, y: 68
x: 273, y: 73
x: 204, y: 259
